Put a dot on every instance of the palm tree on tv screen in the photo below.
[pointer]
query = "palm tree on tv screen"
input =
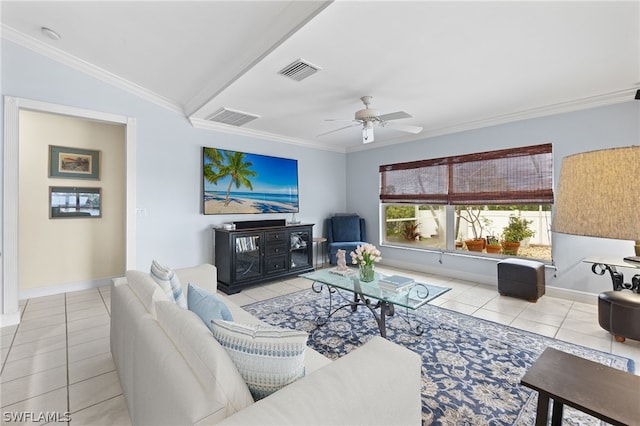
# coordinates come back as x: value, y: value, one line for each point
x: 228, y: 164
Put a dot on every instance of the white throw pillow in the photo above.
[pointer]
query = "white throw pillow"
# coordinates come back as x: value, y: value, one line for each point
x: 268, y: 358
x: 168, y: 280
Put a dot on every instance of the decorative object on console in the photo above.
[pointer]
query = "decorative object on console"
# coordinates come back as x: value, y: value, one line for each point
x: 239, y: 182
x: 294, y: 220
x: 346, y: 232
x: 365, y: 256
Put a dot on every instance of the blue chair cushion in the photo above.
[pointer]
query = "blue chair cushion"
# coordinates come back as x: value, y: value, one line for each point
x: 346, y: 228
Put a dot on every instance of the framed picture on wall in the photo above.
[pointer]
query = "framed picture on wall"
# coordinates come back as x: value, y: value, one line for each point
x: 74, y: 163
x: 69, y: 201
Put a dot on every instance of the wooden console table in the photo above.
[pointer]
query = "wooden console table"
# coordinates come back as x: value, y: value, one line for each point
x: 606, y: 393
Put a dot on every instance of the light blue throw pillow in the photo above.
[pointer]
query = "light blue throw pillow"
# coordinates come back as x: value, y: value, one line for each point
x: 206, y: 305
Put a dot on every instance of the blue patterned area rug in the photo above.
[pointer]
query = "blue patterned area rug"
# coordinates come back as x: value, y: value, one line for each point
x: 471, y: 368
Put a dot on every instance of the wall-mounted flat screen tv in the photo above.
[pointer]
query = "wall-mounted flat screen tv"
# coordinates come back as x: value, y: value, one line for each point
x: 239, y: 182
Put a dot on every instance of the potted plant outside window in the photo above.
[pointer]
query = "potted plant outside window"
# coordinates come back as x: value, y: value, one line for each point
x: 513, y: 234
x: 473, y: 217
x: 410, y: 231
x: 493, y: 245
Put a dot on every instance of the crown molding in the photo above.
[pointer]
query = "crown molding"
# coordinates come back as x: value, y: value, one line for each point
x: 31, y: 43
x: 547, y: 110
x: 200, y: 123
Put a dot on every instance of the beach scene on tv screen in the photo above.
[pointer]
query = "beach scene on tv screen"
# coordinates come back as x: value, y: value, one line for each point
x: 240, y: 182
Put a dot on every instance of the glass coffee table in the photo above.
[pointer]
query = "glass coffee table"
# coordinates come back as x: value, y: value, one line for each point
x: 380, y: 302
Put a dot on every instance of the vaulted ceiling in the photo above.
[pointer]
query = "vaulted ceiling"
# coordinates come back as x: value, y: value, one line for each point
x: 451, y: 65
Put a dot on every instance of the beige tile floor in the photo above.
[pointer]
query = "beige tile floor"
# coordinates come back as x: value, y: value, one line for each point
x: 58, y: 359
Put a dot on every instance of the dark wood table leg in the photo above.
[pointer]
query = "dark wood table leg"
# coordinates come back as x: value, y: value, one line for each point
x: 556, y: 417
x: 381, y: 322
x: 543, y: 409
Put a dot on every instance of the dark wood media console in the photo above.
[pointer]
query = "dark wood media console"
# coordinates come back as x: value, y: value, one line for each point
x: 259, y: 251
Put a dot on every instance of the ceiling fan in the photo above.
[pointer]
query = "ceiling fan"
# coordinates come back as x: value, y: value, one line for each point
x: 368, y: 118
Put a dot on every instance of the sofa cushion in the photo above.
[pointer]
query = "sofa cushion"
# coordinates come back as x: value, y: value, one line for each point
x: 206, y: 357
x: 346, y: 228
x: 147, y: 290
x: 169, y: 281
x: 268, y: 358
x: 206, y: 305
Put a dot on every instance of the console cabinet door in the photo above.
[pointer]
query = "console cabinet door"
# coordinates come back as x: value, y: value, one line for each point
x: 300, y: 249
x: 247, y: 252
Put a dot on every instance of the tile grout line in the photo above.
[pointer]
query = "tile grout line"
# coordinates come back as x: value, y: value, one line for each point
x: 564, y: 318
x: 66, y: 331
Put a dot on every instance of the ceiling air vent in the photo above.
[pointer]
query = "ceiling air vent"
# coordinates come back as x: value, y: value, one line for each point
x: 299, y: 70
x: 232, y: 117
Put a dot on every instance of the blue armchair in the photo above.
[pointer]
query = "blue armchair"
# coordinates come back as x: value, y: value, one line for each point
x: 346, y: 233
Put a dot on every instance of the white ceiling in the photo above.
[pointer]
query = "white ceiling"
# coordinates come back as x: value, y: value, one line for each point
x: 452, y: 65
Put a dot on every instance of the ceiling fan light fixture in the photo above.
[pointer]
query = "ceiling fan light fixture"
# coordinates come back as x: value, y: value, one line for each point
x: 367, y: 133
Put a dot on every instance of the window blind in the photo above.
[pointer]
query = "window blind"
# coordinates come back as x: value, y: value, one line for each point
x: 511, y: 176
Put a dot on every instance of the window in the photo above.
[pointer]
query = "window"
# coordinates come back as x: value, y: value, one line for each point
x: 448, y: 203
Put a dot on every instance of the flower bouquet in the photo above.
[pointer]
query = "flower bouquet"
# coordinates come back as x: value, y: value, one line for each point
x: 365, y: 256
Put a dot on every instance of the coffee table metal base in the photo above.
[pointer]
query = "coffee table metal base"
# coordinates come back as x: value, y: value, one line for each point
x: 380, y: 309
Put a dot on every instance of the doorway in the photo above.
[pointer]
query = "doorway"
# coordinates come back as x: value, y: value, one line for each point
x: 74, y: 272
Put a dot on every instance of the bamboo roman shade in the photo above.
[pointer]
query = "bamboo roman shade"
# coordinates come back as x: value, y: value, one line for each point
x: 510, y: 176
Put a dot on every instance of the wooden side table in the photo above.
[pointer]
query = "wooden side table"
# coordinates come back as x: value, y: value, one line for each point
x: 604, y: 392
x: 320, y: 243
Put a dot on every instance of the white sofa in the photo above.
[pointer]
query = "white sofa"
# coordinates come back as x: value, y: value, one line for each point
x: 173, y: 372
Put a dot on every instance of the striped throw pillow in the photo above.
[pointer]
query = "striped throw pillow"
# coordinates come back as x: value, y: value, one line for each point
x: 268, y: 358
x: 168, y: 280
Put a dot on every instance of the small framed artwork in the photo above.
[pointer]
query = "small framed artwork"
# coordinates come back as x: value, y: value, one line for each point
x: 69, y: 201
x: 74, y: 163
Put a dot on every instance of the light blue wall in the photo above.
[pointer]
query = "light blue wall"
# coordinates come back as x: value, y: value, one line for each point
x: 587, y: 130
x: 168, y: 160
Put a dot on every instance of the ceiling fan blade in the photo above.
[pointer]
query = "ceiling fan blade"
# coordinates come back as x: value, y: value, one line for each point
x: 337, y: 130
x: 339, y: 119
x: 405, y: 127
x: 394, y: 116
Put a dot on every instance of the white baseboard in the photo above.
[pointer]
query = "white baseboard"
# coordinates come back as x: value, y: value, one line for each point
x: 573, y: 295
x: 9, y: 319
x: 561, y: 293
x: 443, y: 272
x: 65, y: 288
